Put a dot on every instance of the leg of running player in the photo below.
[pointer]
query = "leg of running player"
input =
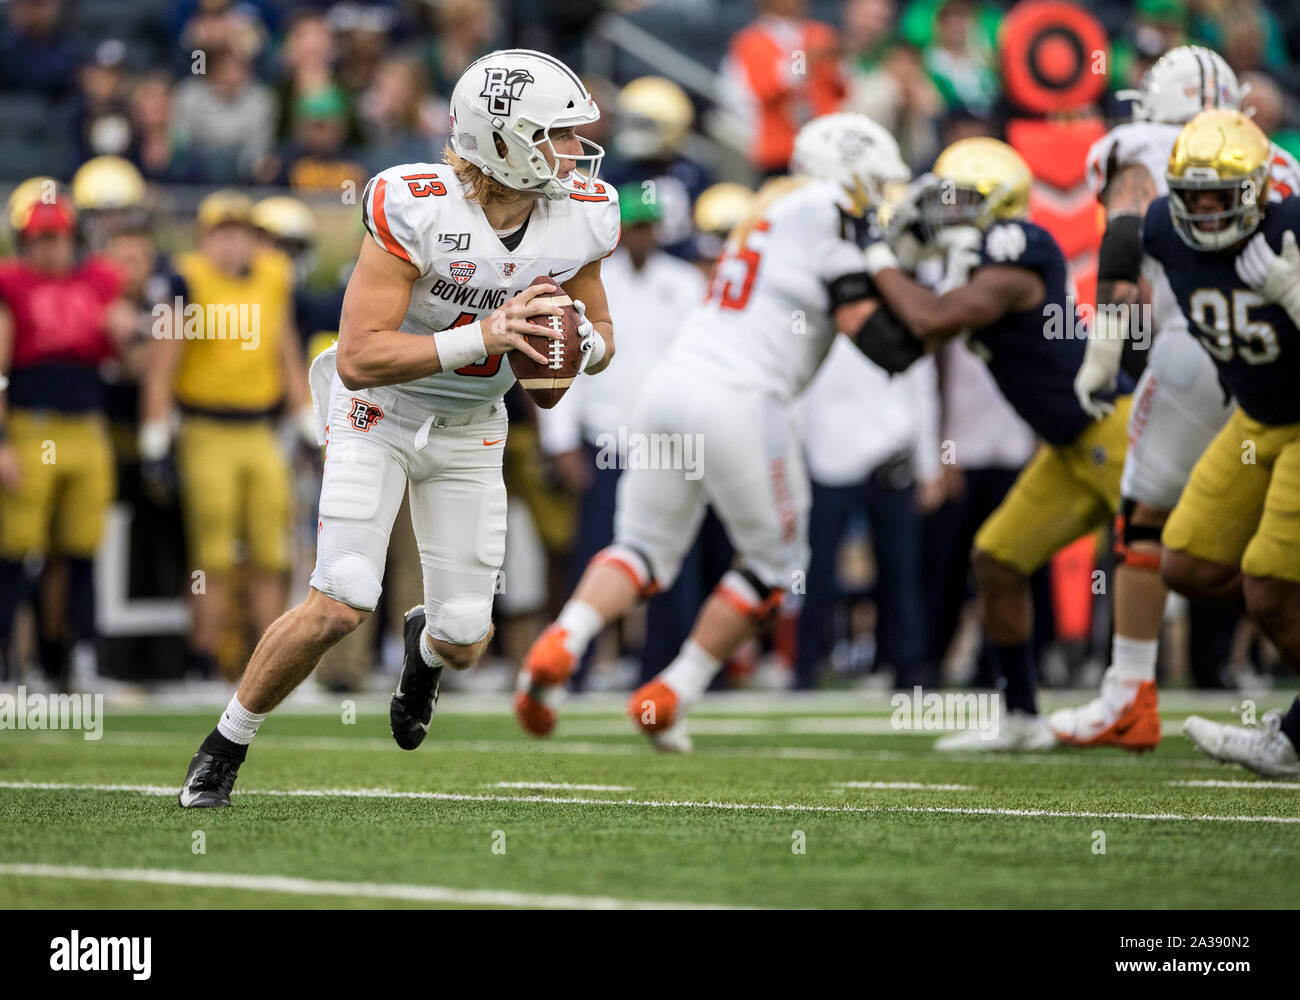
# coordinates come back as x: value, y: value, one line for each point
x: 1126, y: 711
x: 762, y: 496
x: 1007, y: 609
x: 289, y: 649
x: 657, y: 514
x: 723, y: 624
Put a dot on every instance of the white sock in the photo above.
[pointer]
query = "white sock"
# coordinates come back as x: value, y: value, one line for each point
x: 238, y: 724
x: 582, y: 622
x: 691, y: 672
x: 427, y: 652
x: 1134, y: 659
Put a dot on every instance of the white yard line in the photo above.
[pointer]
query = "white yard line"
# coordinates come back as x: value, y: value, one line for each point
x: 388, y: 793
x: 1291, y: 785
x: 589, y: 748
x: 902, y: 785
x: 564, y: 785
x: 319, y: 887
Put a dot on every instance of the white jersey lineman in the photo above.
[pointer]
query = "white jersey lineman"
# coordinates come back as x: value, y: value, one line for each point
x: 1179, y: 404
x: 441, y: 436
x: 725, y: 388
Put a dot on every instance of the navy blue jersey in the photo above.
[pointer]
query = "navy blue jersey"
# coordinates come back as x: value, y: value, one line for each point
x: 1253, y: 341
x: 1034, y: 354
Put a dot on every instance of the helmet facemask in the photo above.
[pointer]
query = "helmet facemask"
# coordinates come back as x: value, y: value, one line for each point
x: 586, y: 164
x: 1239, y: 215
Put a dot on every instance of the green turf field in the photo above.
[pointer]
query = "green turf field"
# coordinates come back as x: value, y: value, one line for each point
x: 333, y: 815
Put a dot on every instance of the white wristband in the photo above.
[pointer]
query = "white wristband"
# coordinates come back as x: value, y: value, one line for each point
x: 459, y: 346
x: 155, y: 439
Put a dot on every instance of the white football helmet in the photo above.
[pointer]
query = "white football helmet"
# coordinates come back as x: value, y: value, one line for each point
x: 502, y: 110
x: 1181, y: 84
x: 854, y: 152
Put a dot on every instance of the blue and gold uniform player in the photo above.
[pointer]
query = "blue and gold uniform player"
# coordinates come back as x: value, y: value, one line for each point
x: 1231, y: 259
x: 1006, y: 283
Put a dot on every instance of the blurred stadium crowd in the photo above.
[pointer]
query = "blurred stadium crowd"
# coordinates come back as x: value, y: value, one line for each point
x: 213, y: 151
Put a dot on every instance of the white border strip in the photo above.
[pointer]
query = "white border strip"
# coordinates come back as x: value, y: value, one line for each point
x: 388, y: 793
x: 318, y: 887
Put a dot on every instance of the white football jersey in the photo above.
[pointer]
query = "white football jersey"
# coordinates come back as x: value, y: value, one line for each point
x: 766, y: 320
x: 418, y: 212
x: 1150, y: 143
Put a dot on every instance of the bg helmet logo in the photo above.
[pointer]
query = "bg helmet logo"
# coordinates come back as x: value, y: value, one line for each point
x: 502, y: 87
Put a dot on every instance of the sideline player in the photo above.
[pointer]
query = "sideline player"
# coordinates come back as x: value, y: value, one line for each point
x: 411, y: 396
x: 1007, y: 286
x: 1179, y: 404
x: 1231, y: 260
x: 790, y: 277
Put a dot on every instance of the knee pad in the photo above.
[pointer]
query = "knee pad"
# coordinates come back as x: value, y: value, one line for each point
x: 744, y: 591
x: 462, y: 620
x: 1127, y: 533
x: 635, y: 563
x: 354, y: 581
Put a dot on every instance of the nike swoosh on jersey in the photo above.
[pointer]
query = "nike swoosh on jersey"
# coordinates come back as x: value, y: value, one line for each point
x: 489, y: 444
x: 556, y: 274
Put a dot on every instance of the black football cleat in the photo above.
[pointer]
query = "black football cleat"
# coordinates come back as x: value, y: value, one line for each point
x: 416, y: 697
x: 208, y: 781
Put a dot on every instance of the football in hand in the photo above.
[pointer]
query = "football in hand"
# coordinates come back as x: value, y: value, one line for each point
x: 546, y: 384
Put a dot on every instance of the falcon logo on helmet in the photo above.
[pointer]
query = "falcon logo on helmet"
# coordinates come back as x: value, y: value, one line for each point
x: 502, y: 87
x: 508, y: 136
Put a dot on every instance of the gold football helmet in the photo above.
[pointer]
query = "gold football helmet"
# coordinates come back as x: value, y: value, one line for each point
x: 285, y: 218
x: 654, y: 115
x: 27, y: 194
x: 292, y: 228
x: 107, y: 182
x: 976, y: 181
x: 225, y: 206
x: 1218, y: 179
x: 719, y: 208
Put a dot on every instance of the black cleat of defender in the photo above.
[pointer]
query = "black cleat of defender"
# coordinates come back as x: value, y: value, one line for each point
x: 208, y: 781
x: 416, y: 697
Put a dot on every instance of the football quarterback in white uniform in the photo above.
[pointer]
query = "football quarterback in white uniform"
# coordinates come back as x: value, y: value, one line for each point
x: 790, y: 276
x: 1179, y: 404
x: 410, y: 400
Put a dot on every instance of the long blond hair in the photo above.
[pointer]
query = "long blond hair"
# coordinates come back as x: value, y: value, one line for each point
x: 478, y: 186
x: 771, y: 190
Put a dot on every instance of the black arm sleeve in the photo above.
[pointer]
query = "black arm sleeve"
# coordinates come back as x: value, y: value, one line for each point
x: 1120, y: 256
x: 851, y: 288
x: 886, y: 341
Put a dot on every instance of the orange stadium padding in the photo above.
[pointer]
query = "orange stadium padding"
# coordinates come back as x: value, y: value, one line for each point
x: 1072, y: 570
